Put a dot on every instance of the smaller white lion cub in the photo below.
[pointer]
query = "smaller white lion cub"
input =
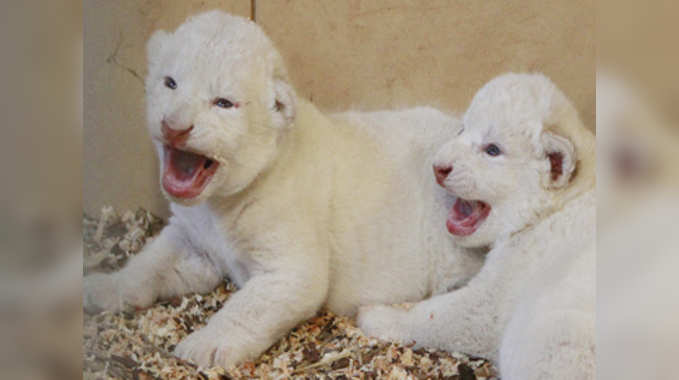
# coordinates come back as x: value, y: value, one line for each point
x: 522, y: 170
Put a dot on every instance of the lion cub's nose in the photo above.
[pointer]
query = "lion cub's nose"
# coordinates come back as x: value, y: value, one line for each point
x: 175, y: 137
x: 441, y: 172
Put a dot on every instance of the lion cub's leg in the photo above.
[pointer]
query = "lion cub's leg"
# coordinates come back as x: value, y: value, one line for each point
x: 465, y: 320
x: 288, y: 284
x: 166, y: 267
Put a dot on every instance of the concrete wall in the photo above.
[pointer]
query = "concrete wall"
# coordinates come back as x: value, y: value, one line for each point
x: 341, y: 54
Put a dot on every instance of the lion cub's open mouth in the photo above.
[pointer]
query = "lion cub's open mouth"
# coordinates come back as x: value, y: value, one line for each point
x: 466, y: 216
x: 186, y: 174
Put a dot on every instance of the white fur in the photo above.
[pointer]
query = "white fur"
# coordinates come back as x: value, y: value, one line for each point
x: 304, y: 210
x: 531, y: 307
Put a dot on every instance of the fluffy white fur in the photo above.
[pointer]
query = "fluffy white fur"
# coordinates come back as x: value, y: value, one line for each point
x: 304, y: 210
x: 637, y: 240
x: 531, y: 307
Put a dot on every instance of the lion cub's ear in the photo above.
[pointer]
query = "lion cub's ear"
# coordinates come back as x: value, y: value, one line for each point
x: 284, y: 94
x: 284, y: 102
x: 560, y: 154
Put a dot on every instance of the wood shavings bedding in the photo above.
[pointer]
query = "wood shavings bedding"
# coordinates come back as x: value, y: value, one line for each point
x: 138, y: 344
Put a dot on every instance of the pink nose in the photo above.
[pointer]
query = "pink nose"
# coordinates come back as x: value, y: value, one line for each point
x: 175, y: 137
x: 441, y: 172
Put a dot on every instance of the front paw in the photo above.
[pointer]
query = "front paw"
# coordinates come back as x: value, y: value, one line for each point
x: 208, y: 348
x: 109, y: 292
x: 384, y: 322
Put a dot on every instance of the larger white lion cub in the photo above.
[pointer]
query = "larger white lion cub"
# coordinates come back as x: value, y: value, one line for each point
x: 299, y: 209
x: 523, y: 174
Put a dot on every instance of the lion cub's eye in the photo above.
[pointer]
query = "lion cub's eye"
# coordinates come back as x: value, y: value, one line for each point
x: 170, y: 83
x: 222, y: 103
x: 493, y: 150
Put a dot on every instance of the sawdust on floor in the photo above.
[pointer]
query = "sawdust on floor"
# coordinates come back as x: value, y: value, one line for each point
x: 138, y: 344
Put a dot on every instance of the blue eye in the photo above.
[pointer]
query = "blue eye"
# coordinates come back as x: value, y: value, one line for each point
x: 170, y: 83
x: 493, y: 150
x: 222, y: 103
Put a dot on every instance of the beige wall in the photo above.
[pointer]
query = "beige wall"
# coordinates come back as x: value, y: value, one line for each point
x: 341, y: 54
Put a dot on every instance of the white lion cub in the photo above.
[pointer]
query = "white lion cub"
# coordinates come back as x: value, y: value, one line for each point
x: 299, y: 209
x: 522, y: 170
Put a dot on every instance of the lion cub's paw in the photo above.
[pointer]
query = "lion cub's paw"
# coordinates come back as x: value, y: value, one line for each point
x: 209, y: 348
x: 105, y: 292
x: 383, y: 322
x: 101, y: 293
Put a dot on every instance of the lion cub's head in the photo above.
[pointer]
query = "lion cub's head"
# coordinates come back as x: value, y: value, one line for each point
x: 522, y: 153
x: 218, y: 103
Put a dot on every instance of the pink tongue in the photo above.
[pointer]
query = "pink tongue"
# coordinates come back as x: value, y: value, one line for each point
x: 185, y: 163
x: 465, y: 212
x: 465, y: 208
x: 186, y: 174
x: 466, y: 216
